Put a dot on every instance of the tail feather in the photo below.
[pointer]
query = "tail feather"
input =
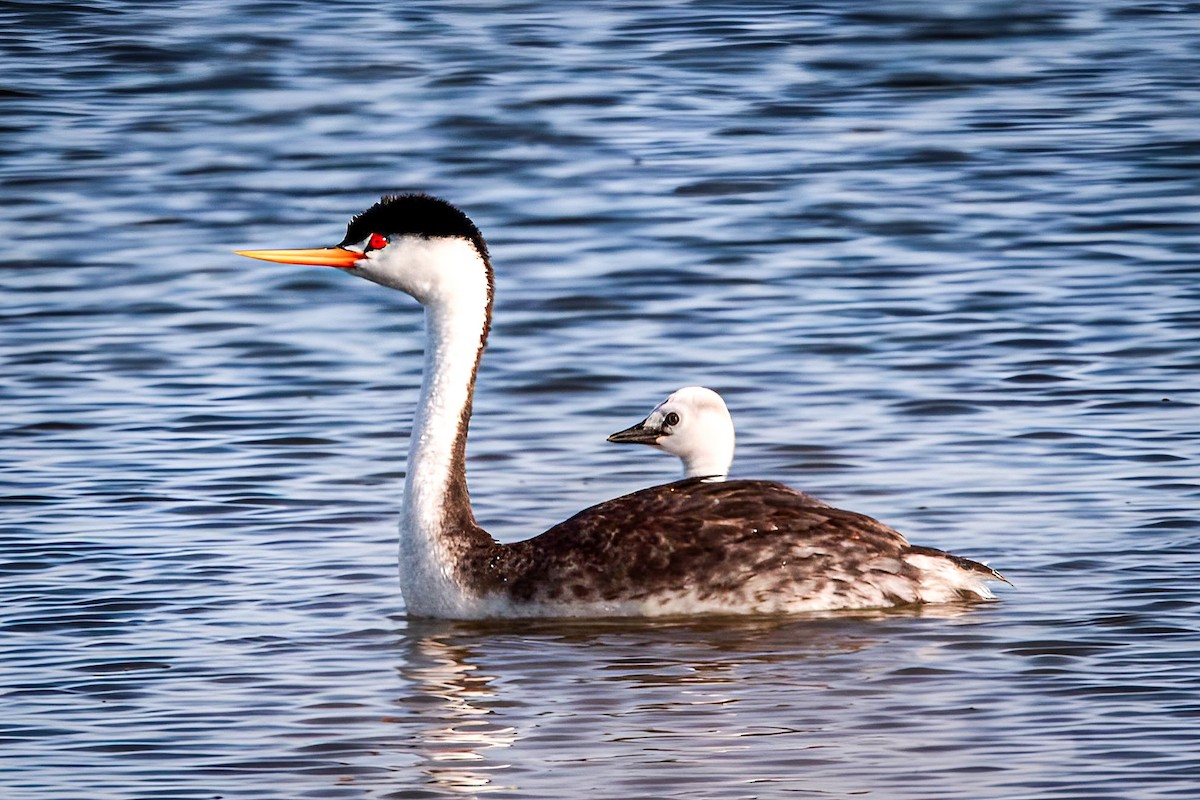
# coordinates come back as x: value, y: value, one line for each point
x: 948, y: 576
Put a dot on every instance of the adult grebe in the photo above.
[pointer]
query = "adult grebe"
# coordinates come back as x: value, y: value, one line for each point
x: 692, y: 423
x: 689, y: 547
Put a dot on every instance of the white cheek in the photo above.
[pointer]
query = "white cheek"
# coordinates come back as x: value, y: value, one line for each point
x: 434, y: 271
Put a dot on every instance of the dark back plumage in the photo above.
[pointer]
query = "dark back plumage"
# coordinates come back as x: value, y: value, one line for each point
x: 741, y: 544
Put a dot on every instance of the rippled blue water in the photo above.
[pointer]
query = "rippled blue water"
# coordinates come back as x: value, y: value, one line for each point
x: 942, y: 263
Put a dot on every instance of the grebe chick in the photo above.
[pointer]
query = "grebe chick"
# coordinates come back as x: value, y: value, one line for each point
x: 689, y: 547
x: 692, y: 423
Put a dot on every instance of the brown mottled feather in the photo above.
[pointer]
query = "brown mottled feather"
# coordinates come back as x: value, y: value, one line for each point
x: 748, y: 544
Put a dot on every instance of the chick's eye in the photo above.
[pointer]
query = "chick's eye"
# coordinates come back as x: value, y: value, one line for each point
x: 377, y: 241
x: 671, y: 419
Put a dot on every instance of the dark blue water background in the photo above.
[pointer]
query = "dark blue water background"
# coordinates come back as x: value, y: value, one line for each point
x: 941, y: 260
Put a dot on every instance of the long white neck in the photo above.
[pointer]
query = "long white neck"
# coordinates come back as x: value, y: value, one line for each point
x: 437, y: 528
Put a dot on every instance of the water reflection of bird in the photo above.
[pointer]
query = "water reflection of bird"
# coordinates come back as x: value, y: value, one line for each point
x: 459, y: 737
x: 692, y: 423
x: 689, y: 547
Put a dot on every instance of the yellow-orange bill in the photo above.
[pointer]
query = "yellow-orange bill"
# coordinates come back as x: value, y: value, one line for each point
x: 320, y: 256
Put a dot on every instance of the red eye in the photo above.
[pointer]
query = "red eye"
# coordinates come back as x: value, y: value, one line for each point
x: 377, y: 242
